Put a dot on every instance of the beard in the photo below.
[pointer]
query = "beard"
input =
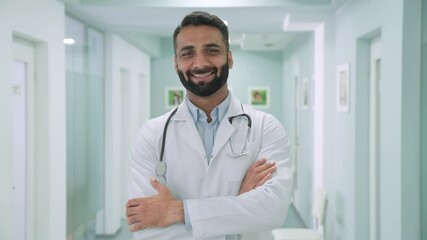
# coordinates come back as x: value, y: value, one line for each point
x: 203, y: 88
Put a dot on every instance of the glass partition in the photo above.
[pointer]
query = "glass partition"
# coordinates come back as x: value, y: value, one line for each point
x: 85, y: 129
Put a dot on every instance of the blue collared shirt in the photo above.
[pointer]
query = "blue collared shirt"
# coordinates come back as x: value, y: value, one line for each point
x: 207, y: 132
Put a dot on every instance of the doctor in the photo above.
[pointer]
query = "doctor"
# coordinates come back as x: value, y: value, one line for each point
x: 213, y: 168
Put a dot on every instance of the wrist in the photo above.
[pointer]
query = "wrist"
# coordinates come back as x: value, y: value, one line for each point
x: 176, y: 212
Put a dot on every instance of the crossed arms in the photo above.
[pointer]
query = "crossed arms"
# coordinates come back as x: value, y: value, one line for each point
x: 163, y: 209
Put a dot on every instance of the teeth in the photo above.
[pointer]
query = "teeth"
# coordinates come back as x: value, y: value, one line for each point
x: 202, y: 75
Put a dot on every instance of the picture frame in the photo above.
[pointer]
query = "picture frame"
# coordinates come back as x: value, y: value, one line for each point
x: 259, y: 97
x: 174, y: 96
x: 343, y: 88
x: 313, y: 92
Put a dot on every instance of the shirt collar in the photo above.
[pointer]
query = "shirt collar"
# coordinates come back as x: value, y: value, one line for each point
x: 219, y: 111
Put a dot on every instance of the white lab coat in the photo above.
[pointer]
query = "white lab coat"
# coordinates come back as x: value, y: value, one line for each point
x: 211, y: 187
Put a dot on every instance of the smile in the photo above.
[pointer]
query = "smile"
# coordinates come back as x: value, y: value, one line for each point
x: 201, y: 75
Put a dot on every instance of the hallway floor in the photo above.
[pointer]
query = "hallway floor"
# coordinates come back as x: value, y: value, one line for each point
x: 122, y: 234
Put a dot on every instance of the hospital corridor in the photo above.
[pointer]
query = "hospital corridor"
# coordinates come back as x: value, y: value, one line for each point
x: 347, y: 79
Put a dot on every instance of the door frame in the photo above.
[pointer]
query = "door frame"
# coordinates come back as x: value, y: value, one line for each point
x: 374, y: 138
x: 24, y: 51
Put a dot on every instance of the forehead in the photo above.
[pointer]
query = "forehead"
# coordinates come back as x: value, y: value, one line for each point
x: 199, y: 36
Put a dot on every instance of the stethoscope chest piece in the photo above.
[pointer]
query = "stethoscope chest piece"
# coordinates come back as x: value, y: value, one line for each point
x: 161, y: 169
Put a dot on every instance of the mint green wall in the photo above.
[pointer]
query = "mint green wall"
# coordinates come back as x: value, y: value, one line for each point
x: 260, y: 69
x: 398, y: 181
x: 424, y: 122
x: 162, y: 76
x: 410, y: 141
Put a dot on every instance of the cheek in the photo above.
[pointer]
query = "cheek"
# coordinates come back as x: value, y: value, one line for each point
x: 181, y: 67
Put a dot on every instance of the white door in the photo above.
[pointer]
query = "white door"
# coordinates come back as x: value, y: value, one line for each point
x: 374, y: 137
x: 125, y: 133
x: 22, y: 132
x: 297, y: 109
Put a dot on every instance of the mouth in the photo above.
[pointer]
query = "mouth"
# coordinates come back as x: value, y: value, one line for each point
x: 202, y: 76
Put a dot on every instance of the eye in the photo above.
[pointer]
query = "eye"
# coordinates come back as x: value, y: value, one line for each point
x: 186, y: 54
x: 212, y: 51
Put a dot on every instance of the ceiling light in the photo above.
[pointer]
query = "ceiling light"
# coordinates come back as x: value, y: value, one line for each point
x: 69, y: 41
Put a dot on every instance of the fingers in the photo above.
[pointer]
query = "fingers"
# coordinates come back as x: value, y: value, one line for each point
x: 263, y: 174
x: 264, y: 166
x: 135, y: 227
x: 131, y: 211
x: 152, y: 211
x: 132, y: 219
x: 264, y: 180
x: 132, y: 203
x: 159, y: 187
x: 259, y: 162
x: 258, y: 173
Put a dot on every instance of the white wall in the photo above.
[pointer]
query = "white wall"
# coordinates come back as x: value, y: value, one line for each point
x: 42, y: 23
x: 121, y: 55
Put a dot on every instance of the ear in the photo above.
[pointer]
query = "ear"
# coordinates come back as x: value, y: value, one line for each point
x: 175, y: 64
x: 230, y: 59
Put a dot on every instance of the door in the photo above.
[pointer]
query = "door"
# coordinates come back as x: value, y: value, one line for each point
x: 22, y: 134
x: 297, y: 102
x: 126, y: 140
x: 375, y: 137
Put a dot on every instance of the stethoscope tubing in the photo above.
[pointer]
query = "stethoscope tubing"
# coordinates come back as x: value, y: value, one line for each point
x: 161, y: 166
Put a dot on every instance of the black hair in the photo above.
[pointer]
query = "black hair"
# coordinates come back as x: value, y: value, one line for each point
x: 199, y: 18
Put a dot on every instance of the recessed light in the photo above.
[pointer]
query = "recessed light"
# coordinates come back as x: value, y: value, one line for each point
x: 69, y: 41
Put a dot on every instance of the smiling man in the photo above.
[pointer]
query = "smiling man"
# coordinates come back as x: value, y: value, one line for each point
x: 212, y: 168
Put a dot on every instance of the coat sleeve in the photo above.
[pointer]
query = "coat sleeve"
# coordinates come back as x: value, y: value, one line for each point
x: 144, y: 157
x: 259, y: 209
x: 143, y: 160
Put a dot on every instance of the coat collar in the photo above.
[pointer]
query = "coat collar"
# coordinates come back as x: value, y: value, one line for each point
x: 183, y: 113
x: 188, y: 131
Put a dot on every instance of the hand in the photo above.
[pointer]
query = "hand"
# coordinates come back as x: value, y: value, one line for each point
x: 157, y: 211
x: 257, y: 174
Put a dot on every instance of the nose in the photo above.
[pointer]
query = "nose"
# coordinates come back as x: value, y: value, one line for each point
x: 200, y: 61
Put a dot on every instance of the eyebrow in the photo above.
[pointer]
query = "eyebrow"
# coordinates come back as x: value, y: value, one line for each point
x: 209, y: 45
x: 212, y: 45
x: 186, y: 48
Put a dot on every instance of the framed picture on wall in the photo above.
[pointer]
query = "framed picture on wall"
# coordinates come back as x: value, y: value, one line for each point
x: 343, y: 87
x: 174, y: 96
x: 259, y: 97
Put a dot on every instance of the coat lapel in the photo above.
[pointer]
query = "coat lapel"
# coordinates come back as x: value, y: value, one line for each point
x: 225, y: 129
x: 187, y: 129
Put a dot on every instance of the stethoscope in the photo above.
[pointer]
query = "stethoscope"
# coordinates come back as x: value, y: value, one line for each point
x: 161, y: 166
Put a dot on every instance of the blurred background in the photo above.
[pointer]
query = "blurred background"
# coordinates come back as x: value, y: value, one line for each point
x: 347, y: 79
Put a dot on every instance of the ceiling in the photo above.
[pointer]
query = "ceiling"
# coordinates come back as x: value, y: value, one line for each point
x: 254, y: 25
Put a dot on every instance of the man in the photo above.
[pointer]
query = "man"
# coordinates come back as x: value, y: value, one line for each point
x: 224, y: 167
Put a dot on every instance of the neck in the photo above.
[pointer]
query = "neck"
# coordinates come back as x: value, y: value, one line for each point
x: 207, y: 104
